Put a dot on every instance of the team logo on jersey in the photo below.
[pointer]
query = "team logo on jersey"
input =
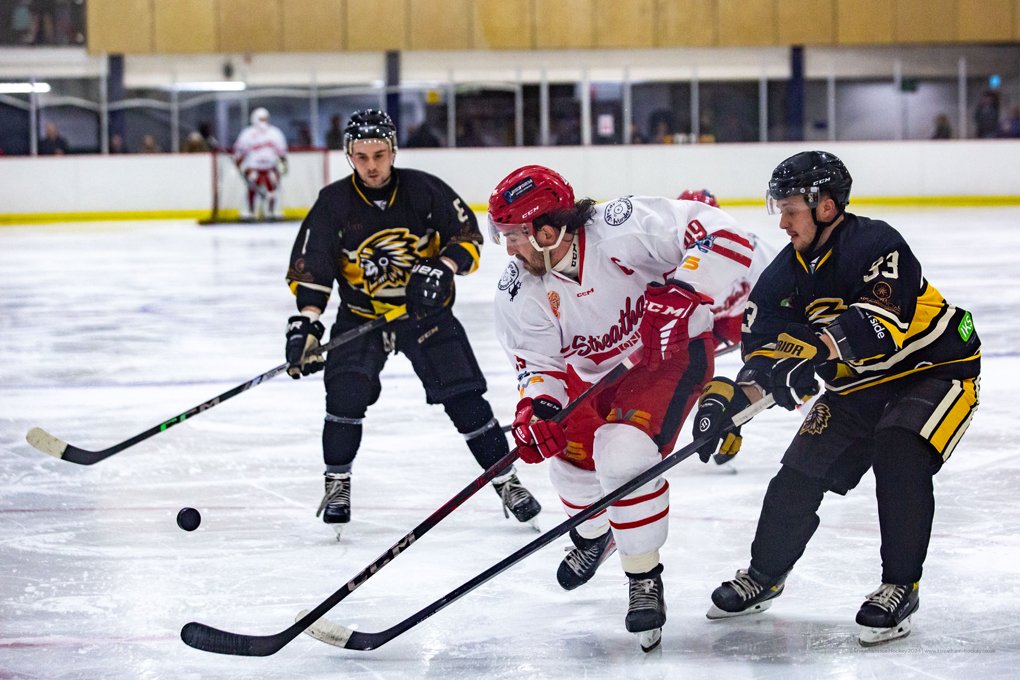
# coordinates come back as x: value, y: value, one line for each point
x: 618, y: 211
x: 383, y: 260
x: 511, y: 280
x: 554, y: 302
x: 817, y: 420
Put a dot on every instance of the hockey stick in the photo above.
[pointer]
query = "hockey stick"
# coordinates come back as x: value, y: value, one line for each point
x: 209, y: 639
x: 341, y: 636
x: 47, y: 443
x: 719, y: 351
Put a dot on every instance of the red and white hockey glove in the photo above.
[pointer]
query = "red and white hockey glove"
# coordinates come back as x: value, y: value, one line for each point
x: 536, y: 436
x: 663, y: 329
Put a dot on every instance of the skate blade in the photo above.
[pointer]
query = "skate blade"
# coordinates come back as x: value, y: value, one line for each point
x: 714, y: 612
x: 869, y: 637
x: 533, y: 523
x: 339, y: 529
x: 650, y: 639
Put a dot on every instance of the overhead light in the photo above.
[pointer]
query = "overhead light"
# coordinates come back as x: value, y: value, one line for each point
x: 210, y: 86
x: 24, y: 88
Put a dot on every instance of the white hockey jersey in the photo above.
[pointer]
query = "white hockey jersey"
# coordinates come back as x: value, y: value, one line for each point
x: 552, y: 325
x: 259, y: 147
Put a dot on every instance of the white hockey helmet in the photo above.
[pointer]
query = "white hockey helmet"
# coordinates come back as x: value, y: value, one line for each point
x: 260, y: 116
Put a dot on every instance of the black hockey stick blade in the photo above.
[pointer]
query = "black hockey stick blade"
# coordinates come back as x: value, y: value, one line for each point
x: 209, y: 639
x: 342, y: 636
x: 58, y: 448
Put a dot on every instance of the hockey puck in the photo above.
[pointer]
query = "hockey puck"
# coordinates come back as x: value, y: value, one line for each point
x: 188, y: 519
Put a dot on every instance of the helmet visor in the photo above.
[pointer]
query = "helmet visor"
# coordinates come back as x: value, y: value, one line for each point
x: 789, y: 199
x: 512, y: 233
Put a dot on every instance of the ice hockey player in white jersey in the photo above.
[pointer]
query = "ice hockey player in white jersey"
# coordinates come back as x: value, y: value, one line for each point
x: 728, y: 308
x: 260, y: 153
x: 588, y: 286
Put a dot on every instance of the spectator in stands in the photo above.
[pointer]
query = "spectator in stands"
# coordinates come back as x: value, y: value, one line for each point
x: 195, y: 143
x: 335, y: 134
x: 23, y: 22
x: 1011, y: 124
x: 986, y: 116
x: 150, y: 145
x: 423, y: 136
x: 467, y: 133
x: 943, y: 130
x: 117, y: 144
x: 205, y: 129
x: 52, y: 143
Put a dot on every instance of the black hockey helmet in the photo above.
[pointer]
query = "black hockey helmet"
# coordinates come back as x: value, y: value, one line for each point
x: 370, y: 124
x: 809, y: 173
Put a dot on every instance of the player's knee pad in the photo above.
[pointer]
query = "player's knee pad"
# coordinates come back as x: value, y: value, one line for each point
x: 904, y: 449
x: 794, y: 493
x: 469, y: 411
x: 350, y: 394
x: 621, y: 453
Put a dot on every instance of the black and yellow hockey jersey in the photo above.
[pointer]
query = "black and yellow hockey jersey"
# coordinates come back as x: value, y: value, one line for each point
x: 367, y: 240
x: 865, y: 289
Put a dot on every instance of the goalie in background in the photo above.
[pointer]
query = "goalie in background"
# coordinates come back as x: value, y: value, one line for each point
x: 260, y: 153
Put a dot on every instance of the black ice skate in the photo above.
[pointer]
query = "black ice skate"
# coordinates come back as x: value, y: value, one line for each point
x: 517, y: 500
x: 745, y: 594
x: 646, y: 612
x: 885, y: 615
x: 580, y: 564
x: 335, y: 507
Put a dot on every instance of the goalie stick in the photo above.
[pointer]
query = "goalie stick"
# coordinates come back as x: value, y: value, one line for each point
x: 54, y: 446
x: 209, y: 639
x: 341, y: 636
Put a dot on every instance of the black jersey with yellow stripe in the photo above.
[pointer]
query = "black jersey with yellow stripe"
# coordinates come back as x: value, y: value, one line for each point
x: 864, y: 289
x: 368, y: 240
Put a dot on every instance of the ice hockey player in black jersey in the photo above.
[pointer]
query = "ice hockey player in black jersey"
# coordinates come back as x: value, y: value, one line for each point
x: 846, y: 301
x: 390, y: 237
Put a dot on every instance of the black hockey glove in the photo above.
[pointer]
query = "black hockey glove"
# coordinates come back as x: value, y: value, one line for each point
x: 793, y: 382
x: 720, y: 400
x: 303, y: 334
x: 430, y: 287
x: 800, y: 351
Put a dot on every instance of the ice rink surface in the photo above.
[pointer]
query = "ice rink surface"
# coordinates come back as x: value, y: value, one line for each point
x: 107, y: 329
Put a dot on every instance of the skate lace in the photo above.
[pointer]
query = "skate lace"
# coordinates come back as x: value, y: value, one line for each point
x: 512, y: 493
x: 337, y: 491
x: 888, y: 596
x: 644, y: 593
x: 745, y: 586
x: 580, y: 560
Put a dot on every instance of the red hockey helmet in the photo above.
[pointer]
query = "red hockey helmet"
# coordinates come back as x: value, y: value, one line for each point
x: 703, y: 195
x: 524, y: 195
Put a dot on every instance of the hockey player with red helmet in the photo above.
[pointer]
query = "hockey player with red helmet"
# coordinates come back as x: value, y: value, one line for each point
x: 588, y: 286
